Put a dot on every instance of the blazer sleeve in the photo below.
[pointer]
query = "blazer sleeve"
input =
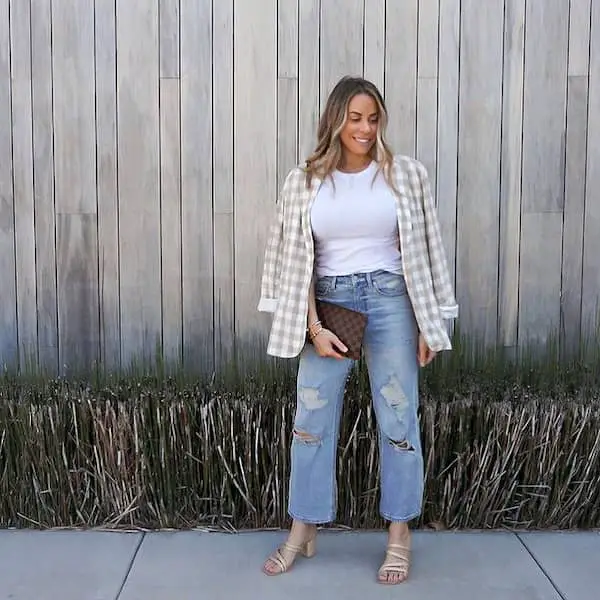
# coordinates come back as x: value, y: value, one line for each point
x: 269, y: 287
x: 440, y: 275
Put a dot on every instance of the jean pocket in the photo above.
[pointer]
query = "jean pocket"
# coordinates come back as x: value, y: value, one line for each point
x: 322, y: 286
x: 389, y: 284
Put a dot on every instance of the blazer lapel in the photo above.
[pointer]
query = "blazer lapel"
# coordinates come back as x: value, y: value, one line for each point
x: 308, y: 199
x: 402, y: 208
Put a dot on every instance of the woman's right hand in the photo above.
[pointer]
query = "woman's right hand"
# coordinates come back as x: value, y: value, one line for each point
x: 327, y: 344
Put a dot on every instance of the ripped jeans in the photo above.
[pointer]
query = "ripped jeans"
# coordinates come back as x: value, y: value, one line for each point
x: 390, y: 350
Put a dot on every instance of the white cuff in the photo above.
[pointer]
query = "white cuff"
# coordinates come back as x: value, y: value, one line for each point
x: 449, y: 312
x: 267, y: 305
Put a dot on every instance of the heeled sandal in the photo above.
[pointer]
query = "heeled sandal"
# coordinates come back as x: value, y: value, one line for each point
x: 397, y: 560
x: 308, y: 550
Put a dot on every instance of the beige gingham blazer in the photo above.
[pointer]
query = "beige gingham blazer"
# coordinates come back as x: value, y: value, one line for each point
x: 289, y: 260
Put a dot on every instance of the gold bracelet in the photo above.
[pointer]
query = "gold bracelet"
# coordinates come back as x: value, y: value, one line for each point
x: 313, y: 334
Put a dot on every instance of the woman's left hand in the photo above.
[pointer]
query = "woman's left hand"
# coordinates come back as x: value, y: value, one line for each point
x: 424, y: 354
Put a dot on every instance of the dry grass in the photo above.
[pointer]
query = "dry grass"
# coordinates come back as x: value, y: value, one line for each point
x: 520, y: 450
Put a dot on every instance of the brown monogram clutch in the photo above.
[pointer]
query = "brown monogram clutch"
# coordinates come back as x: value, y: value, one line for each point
x: 349, y: 325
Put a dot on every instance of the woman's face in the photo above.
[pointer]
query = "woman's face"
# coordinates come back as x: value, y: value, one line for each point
x: 360, y: 131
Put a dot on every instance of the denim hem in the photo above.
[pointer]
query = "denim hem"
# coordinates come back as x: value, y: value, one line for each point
x: 310, y: 520
x: 402, y: 519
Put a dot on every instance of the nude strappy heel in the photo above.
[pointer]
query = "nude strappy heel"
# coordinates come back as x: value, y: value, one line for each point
x: 397, y: 560
x: 308, y: 550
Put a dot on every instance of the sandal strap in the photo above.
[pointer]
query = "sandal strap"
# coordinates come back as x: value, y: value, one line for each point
x: 279, y: 560
x: 397, y: 559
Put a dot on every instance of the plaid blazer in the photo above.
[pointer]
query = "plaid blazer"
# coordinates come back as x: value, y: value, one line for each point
x: 289, y: 259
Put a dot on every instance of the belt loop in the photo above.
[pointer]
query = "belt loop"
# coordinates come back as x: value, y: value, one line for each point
x: 370, y: 279
x: 333, y: 282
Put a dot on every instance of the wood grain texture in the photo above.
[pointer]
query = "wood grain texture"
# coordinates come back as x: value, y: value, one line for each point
x: 572, y: 259
x: 74, y: 106
x: 427, y: 86
x: 255, y: 155
x: 579, y: 37
x: 197, y: 183
x: 479, y: 166
x: 590, y: 295
x: 374, y: 42
x: 428, y: 38
x: 544, y: 138
x: 138, y: 180
x: 8, y: 293
x: 224, y: 284
x: 169, y: 38
x: 78, y: 311
x: 107, y: 188
x: 546, y: 52
x: 170, y: 221
x: 341, y: 42
x: 75, y: 182
x: 43, y: 183
x: 22, y: 132
x: 287, y: 88
x: 287, y: 38
x: 401, y: 74
x: 309, y: 17
x: 510, y: 174
x: 539, y: 287
x: 447, y: 135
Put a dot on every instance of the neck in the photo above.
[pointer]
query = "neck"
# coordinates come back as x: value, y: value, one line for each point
x: 353, y: 163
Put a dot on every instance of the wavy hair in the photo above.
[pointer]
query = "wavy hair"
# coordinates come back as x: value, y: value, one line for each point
x: 328, y: 154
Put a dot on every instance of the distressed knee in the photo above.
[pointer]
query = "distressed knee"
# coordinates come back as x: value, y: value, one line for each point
x: 311, y: 398
x: 401, y: 445
x: 393, y: 393
x: 306, y: 438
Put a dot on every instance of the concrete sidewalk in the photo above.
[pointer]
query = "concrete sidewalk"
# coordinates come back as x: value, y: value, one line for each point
x: 75, y: 565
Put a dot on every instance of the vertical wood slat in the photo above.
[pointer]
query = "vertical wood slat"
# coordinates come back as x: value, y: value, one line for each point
x: 287, y: 88
x: 309, y: 24
x: 169, y: 38
x: 224, y: 284
x: 341, y: 50
x: 170, y: 221
x: 479, y: 166
x: 401, y: 74
x: 75, y: 183
x: 8, y: 296
x: 579, y: 37
x: 43, y: 184
x: 575, y: 172
x: 510, y: 175
x: 590, y: 297
x: 427, y: 86
x: 197, y: 183
x: 255, y: 156
x: 447, y: 158
x: 544, y: 109
x: 572, y: 236
x: 20, y: 22
x: 77, y: 255
x: 374, y: 43
x: 138, y: 179
x: 106, y: 174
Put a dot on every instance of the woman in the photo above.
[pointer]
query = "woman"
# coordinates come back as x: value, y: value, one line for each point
x: 356, y: 226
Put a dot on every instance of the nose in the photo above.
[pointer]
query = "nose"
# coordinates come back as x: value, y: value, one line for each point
x: 366, y: 127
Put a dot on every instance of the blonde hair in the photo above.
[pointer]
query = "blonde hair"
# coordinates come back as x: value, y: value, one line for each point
x: 328, y: 154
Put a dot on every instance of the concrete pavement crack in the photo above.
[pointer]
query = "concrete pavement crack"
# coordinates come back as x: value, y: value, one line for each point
x: 541, y: 568
x: 130, y: 566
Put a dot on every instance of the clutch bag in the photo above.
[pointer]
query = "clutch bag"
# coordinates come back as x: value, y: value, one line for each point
x: 347, y: 324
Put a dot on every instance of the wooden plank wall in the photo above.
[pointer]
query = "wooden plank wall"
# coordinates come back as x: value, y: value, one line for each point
x: 142, y: 146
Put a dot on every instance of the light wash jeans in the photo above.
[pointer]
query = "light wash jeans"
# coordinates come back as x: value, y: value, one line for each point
x: 390, y: 349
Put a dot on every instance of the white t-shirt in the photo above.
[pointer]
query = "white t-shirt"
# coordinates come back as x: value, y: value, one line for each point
x: 355, y: 225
